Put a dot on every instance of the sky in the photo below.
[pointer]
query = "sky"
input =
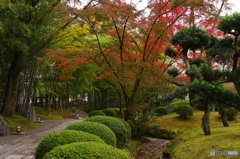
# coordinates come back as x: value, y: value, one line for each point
x: 235, y: 6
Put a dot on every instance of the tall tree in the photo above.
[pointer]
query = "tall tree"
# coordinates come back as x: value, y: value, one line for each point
x: 27, y: 27
x: 133, y: 59
x: 230, y: 25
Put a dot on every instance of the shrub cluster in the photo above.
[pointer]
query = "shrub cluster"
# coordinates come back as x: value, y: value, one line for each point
x: 110, y: 112
x: 61, y: 138
x: 101, y: 130
x: 161, y: 110
x: 232, y: 113
x: 86, y: 150
x: 115, y: 124
x: 96, y: 112
x: 184, y: 111
x: 156, y: 132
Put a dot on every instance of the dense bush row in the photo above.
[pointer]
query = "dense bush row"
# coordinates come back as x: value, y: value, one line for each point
x: 116, y: 125
x: 96, y: 112
x: 86, y: 150
x: 100, y: 130
x: 55, y: 139
x: 96, y: 137
x: 113, y: 112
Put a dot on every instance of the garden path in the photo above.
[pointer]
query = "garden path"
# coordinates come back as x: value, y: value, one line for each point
x: 24, y: 146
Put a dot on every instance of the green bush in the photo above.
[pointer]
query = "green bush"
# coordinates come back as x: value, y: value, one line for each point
x: 61, y: 138
x: 118, y: 112
x: 115, y: 124
x: 96, y: 112
x: 101, y: 130
x: 231, y: 113
x: 110, y: 112
x: 156, y: 132
x: 86, y: 150
x: 184, y: 111
x: 161, y: 110
x: 129, y: 129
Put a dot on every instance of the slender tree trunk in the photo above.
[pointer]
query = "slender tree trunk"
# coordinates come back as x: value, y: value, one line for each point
x: 206, y: 120
x: 223, y: 116
x: 10, y: 97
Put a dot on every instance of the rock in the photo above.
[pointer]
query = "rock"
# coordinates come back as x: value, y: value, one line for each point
x: 4, y: 130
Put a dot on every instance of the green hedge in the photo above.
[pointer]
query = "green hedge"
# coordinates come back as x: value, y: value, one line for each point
x: 231, y: 113
x: 86, y: 150
x: 118, y: 112
x: 110, y: 112
x: 115, y: 124
x: 161, y: 110
x: 129, y: 129
x: 61, y: 138
x: 96, y: 112
x: 101, y: 130
x: 184, y: 111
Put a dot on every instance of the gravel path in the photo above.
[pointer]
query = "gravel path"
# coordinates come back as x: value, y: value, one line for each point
x: 24, y: 146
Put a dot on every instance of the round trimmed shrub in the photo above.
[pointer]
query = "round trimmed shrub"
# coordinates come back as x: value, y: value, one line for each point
x: 101, y: 130
x: 86, y: 150
x: 161, y: 110
x: 96, y: 112
x: 231, y: 113
x: 184, y: 111
x: 115, y: 124
x: 55, y: 139
x: 110, y: 112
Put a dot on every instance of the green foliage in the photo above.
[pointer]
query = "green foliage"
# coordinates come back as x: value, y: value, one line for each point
x: 115, y: 124
x: 110, y: 112
x: 86, y: 150
x: 180, y: 93
x: 232, y: 113
x: 104, y: 132
x: 96, y: 112
x: 170, y: 52
x: 173, y: 72
x: 55, y: 139
x: 129, y: 129
x: 161, y: 110
x: 230, y: 24
x: 118, y: 112
x: 198, y: 62
x: 184, y: 111
x: 193, y: 72
x: 214, y: 94
x: 157, y: 132
x: 222, y: 51
x: 192, y: 38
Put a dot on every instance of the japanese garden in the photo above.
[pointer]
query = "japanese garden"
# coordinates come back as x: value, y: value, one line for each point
x: 149, y: 79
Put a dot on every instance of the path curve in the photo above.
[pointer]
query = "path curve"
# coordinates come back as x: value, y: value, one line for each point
x: 24, y: 146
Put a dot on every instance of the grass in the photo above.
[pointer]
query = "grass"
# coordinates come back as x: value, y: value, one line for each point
x: 53, y: 114
x: 194, y: 144
x: 43, y: 113
x: 174, y: 122
x: 21, y: 121
x: 191, y: 143
x: 48, y: 114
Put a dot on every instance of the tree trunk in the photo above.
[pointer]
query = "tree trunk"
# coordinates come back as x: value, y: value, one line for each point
x: 222, y: 112
x: 10, y: 97
x: 206, y: 120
